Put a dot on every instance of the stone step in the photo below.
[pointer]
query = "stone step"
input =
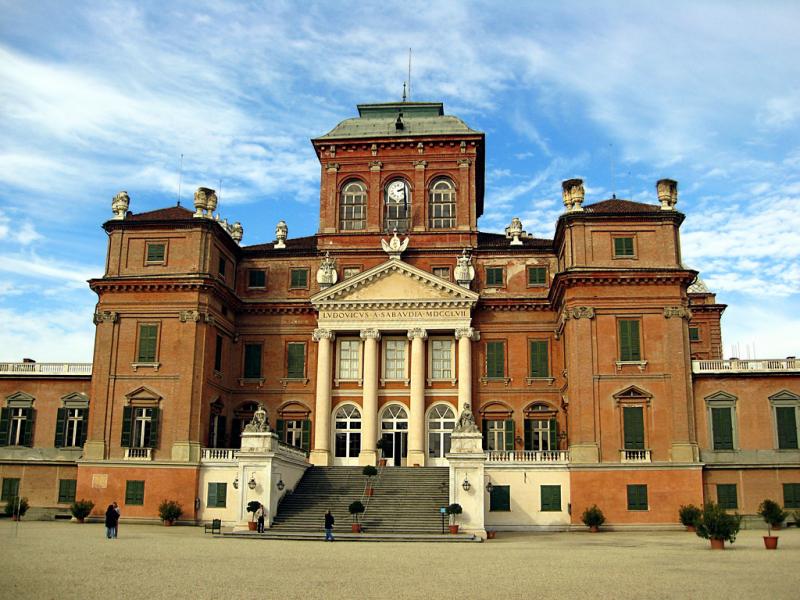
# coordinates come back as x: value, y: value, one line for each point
x: 319, y: 536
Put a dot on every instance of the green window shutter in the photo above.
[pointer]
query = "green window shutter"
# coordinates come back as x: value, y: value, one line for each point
x: 485, y: 433
x: 722, y: 428
x: 280, y: 429
x: 252, y: 361
x: 211, y: 501
x: 134, y: 492
x: 296, y: 361
x: 500, y: 498
x: 5, y: 423
x: 694, y: 334
x: 629, y: 344
x: 83, y: 427
x: 623, y: 246
x: 299, y: 278
x: 307, y: 435
x: 539, y: 360
x: 222, y: 493
x: 495, y: 359
x: 787, y: 427
x: 536, y: 275
x: 218, y: 354
x: 61, y: 418
x: 637, y: 497
x: 528, y: 432
x: 155, y: 252
x: 66, y: 490
x: 633, y: 424
x: 127, y: 423
x: 553, y: 434
x: 791, y: 495
x: 27, y: 435
x: 10, y: 488
x: 148, y: 336
x: 509, y: 435
x: 494, y: 276
x: 551, y: 498
x: 726, y: 495
x: 152, y: 442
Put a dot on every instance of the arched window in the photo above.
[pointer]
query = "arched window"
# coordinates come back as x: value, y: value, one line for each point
x: 394, y: 432
x: 353, y: 206
x: 348, y: 431
x: 442, y: 204
x: 441, y: 421
x: 397, y: 200
x: 541, y: 428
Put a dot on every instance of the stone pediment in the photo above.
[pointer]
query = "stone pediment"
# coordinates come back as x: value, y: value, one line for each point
x: 395, y: 284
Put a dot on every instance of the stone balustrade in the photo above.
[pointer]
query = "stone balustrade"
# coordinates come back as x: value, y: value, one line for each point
x: 734, y: 365
x: 34, y: 369
x: 528, y: 456
x: 634, y: 456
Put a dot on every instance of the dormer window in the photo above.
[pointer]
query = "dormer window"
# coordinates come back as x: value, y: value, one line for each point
x: 353, y: 207
x: 397, y: 199
x: 442, y: 207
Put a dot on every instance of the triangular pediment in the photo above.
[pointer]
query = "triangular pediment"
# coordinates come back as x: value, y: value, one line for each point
x: 143, y: 394
x: 395, y: 283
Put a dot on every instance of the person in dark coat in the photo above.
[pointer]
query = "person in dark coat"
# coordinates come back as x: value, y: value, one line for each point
x: 329, y: 521
x: 112, y: 517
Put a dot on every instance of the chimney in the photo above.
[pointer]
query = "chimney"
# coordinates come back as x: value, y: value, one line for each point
x: 667, y: 190
x: 572, y: 192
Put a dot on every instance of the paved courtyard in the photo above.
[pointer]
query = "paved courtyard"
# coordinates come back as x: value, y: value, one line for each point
x: 64, y: 560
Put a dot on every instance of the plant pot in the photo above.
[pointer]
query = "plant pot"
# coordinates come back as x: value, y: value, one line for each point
x: 14, y: 517
x: 717, y: 544
x: 381, y: 462
x: 251, y: 525
x: 691, y: 528
x: 771, y: 542
x: 79, y: 519
x: 453, y: 528
x: 490, y: 535
x: 168, y: 523
x: 370, y: 492
x: 594, y: 528
x: 356, y: 527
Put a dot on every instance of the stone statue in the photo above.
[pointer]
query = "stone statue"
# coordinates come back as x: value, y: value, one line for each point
x: 464, y: 272
x: 119, y: 205
x: 260, y: 422
x: 515, y: 231
x: 326, y: 274
x: 466, y: 421
x: 394, y: 247
x: 237, y: 232
x: 203, y: 201
x: 281, y: 233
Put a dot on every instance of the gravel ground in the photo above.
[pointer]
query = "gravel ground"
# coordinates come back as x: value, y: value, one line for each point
x: 60, y: 560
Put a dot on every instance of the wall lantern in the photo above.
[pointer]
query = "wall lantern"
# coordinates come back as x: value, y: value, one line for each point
x: 466, y: 485
x: 252, y: 483
x: 489, y: 487
x: 236, y: 483
x: 280, y: 485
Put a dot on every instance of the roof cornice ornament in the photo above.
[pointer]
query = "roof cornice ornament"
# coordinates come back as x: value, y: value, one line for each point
x: 515, y: 231
x: 394, y: 247
x: 119, y: 205
x: 573, y: 193
x: 464, y: 272
x: 326, y: 274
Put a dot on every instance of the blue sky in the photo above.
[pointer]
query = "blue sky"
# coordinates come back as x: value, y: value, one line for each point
x: 99, y: 97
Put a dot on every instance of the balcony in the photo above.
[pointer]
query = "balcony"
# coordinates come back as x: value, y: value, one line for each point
x: 142, y: 454
x: 34, y: 369
x: 528, y: 456
x: 634, y: 456
x: 218, y: 454
x: 734, y: 365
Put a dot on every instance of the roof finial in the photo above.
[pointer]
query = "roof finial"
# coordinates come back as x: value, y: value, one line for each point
x: 404, y: 91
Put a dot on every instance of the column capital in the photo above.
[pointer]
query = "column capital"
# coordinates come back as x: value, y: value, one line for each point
x: 417, y: 332
x: 370, y: 334
x: 468, y: 332
x: 323, y: 334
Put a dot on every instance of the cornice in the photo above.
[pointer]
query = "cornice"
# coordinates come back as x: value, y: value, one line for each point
x: 514, y: 304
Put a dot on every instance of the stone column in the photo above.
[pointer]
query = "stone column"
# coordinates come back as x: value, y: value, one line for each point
x: 369, y: 408
x: 321, y: 455
x: 465, y: 337
x: 416, y: 420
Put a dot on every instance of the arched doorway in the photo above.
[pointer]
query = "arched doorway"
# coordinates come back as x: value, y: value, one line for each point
x: 394, y: 430
x: 347, y: 435
x: 441, y: 421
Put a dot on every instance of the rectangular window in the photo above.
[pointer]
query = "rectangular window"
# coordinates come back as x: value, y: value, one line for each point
x: 295, y: 432
x: 295, y: 360
x: 71, y: 427
x: 494, y: 276
x: 218, y: 354
x: 726, y: 495
x: 623, y: 247
x: 139, y: 427
x: 66, y: 490
x: 156, y: 253
x: 256, y: 278
x: 637, y: 497
x: 722, y: 428
x: 441, y: 359
x: 217, y: 493
x: 495, y: 360
x: 791, y: 496
x: 537, y: 276
x: 629, y: 344
x: 252, y: 361
x: 298, y: 279
x: 394, y: 361
x: 222, y: 265
x: 500, y: 498
x: 349, y: 359
x: 498, y: 434
x: 10, y: 488
x: 349, y: 272
x: 16, y: 426
x: 442, y: 273
x: 787, y: 427
x: 551, y: 498
x: 633, y: 425
x: 148, y: 343
x: 541, y: 434
x: 694, y: 334
x: 134, y: 492
x: 539, y: 363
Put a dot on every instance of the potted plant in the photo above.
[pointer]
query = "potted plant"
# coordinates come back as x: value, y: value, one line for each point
x: 453, y: 510
x: 252, y: 507
x: 689, y: 514
x: 356, y: 508
x: 593, y: 517
x: 717, y: 526
x: 381, y: 445
x: 16, y: 507
x: 773, y: 516
x: 81, y: 509
x: 369, y: 472
x: 169, y: 511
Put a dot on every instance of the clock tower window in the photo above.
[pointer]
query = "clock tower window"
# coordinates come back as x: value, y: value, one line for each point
x: 442, y: 204
x: 353, y: 206
x: 397, y: 200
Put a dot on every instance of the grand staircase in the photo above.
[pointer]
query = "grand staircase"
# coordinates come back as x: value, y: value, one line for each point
x: 406, y: 500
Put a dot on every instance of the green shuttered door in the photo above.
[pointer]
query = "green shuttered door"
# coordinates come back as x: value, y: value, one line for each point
x: 722, y: 428
x: 787, y: 427
x: 629, y: 349
x: 633, y: 419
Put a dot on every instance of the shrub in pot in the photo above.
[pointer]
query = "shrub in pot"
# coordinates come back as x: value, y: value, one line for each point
x: 169, y: 511
x: 369, y: 472
x: 382, y: 445
x: 718, y: 526
x: 773, y: 516
x: 252, y: 507
x: 356, y: 508
x: 81, y: 509
x: 593, y: 517
x: 453, y: 510
x: 16, y: 507
x: 689, y: 515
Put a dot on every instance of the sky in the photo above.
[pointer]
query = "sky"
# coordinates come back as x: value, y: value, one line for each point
x: 98, y: 97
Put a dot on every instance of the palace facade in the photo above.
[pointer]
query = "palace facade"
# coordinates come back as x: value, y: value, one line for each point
x: 592, y: 362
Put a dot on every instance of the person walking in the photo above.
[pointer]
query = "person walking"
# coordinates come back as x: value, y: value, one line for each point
x: 112, y: 517
x: 261, y: 513
x: 329, y: 521
x: 119, y: 513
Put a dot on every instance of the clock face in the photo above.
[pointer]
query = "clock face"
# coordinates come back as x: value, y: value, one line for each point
x: 397, y: 191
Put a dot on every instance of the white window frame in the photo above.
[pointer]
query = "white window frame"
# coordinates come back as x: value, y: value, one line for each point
x: 432, y: 341
x: 74, y: 416
x: 348, y: 431
x: 16, y: 426
x: 141, y: 426
x: 394, y: 373
x: 437, y: 424
x: 351, y: 373
x: 293, y: 432
x: 495, y: 428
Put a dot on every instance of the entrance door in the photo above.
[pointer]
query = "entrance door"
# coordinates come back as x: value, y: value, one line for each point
x: 394, y: 429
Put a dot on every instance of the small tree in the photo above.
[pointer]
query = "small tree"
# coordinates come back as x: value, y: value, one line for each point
x: 81, y: 509
x: 170, y: 511
x: 716, y: 524
x: 17, y: 507
x: 252, y: 507
x: 689, y: 515
x: 772, y: 513
x: 593, y: 517
x: 369, y: 472
x: 356, y: 508
x: 453, y: 510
